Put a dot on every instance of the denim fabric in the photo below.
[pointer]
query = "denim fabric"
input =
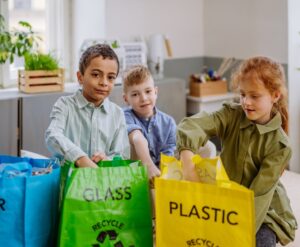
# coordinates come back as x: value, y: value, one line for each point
x: 265, y: 237
x: 159, y: 130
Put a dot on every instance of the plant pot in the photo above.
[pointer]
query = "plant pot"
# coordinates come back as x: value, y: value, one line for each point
x: 38, y: 81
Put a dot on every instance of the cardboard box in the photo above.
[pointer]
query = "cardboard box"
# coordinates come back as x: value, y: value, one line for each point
x: 37, y: 81
x: 199, y: 89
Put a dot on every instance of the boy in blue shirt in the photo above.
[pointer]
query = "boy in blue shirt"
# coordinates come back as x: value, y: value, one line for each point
x: 86, y: 127
x: 150, y: 131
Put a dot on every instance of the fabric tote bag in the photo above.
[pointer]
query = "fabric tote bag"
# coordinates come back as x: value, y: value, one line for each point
x: 106, y: 206
x: 217, y: 213
x: 29, y: 190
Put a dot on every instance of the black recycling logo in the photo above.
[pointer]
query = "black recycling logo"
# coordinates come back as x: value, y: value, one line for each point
x: 112, y: 235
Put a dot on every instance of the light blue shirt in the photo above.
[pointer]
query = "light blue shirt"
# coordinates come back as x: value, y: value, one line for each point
x: 159, y: 130
x: 78, y: 128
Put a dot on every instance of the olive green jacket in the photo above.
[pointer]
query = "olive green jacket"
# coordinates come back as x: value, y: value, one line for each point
x: 253, y: 155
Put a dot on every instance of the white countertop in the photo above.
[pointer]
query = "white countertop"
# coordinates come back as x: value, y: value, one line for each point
x: 210, y: 98
x: 11, y: 93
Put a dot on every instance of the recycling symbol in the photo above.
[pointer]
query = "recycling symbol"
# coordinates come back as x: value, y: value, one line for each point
x: 112, y: 236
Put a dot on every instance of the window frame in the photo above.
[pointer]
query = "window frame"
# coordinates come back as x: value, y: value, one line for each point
x: 58, y: 37
x: 4, y: 68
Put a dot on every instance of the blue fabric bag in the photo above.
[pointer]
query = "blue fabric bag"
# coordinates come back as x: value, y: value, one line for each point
x: 28, y: 203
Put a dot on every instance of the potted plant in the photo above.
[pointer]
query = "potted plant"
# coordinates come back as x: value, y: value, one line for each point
x: 16, y: 42
x: 41, y: 74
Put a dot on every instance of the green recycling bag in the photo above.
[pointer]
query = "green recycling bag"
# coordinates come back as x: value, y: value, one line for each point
x: 105, y: 206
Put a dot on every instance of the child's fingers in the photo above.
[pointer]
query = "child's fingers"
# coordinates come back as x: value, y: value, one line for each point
x: 98, y: 156
x: 158, y: 173
x: 105, y: 157
x: 155, y: 171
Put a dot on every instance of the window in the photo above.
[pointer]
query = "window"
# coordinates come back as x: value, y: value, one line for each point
x: 48, y: 20
x: 33, y: 12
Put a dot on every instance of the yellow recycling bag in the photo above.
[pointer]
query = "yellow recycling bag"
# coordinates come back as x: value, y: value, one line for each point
x: 219, y: 213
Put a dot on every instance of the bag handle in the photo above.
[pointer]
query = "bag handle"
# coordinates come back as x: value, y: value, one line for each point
x: 117, y: 161
x: 16, y: 169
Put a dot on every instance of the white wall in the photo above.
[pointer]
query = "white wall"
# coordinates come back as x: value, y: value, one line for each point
x: 239, y: 28
x: 244, y: 28
x: 294, y: 80
x: 181, y: 20
x: 88, y: 23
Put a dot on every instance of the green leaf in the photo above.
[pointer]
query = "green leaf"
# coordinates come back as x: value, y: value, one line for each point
x: 17, y: 42
x: 114, y: 44
x: 25, y: 24
x: 39, y: 61
x: 11, y: 58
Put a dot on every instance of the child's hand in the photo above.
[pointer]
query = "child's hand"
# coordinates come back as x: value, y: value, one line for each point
x: 85, y: 161
x: 98, y: 156
x: 188, y: 167
x: 153, y: 172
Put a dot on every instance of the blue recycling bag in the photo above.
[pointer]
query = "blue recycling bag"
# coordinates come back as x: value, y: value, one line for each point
x: 29, y: 191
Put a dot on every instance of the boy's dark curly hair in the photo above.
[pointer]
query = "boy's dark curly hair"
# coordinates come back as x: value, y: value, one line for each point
x: 97, y: 50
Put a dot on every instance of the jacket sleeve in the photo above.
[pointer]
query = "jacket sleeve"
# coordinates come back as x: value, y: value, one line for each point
x: 193, y: 132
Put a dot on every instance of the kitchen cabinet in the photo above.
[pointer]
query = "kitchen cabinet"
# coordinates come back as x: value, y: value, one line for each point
x: 9, y: 126
x: 35, y: 120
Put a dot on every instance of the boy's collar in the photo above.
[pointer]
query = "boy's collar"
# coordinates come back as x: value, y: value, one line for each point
x: 83, y: 102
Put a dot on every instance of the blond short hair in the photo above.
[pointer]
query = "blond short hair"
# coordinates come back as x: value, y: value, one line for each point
x: 135, y: 76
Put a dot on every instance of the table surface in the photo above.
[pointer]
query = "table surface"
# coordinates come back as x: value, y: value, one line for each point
x: 209, y: 98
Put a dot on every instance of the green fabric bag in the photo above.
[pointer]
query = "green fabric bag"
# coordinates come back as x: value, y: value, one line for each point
x: 108, y: 206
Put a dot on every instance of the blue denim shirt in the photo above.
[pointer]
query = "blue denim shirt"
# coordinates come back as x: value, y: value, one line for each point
x: 159, y: 130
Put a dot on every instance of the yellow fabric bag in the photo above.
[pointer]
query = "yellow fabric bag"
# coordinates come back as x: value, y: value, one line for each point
x: 219, y: 213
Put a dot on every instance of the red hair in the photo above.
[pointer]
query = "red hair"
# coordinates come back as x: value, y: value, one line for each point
x: 271, y: 74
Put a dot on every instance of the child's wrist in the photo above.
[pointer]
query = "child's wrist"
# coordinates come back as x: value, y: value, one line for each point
x: 149, y: 165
